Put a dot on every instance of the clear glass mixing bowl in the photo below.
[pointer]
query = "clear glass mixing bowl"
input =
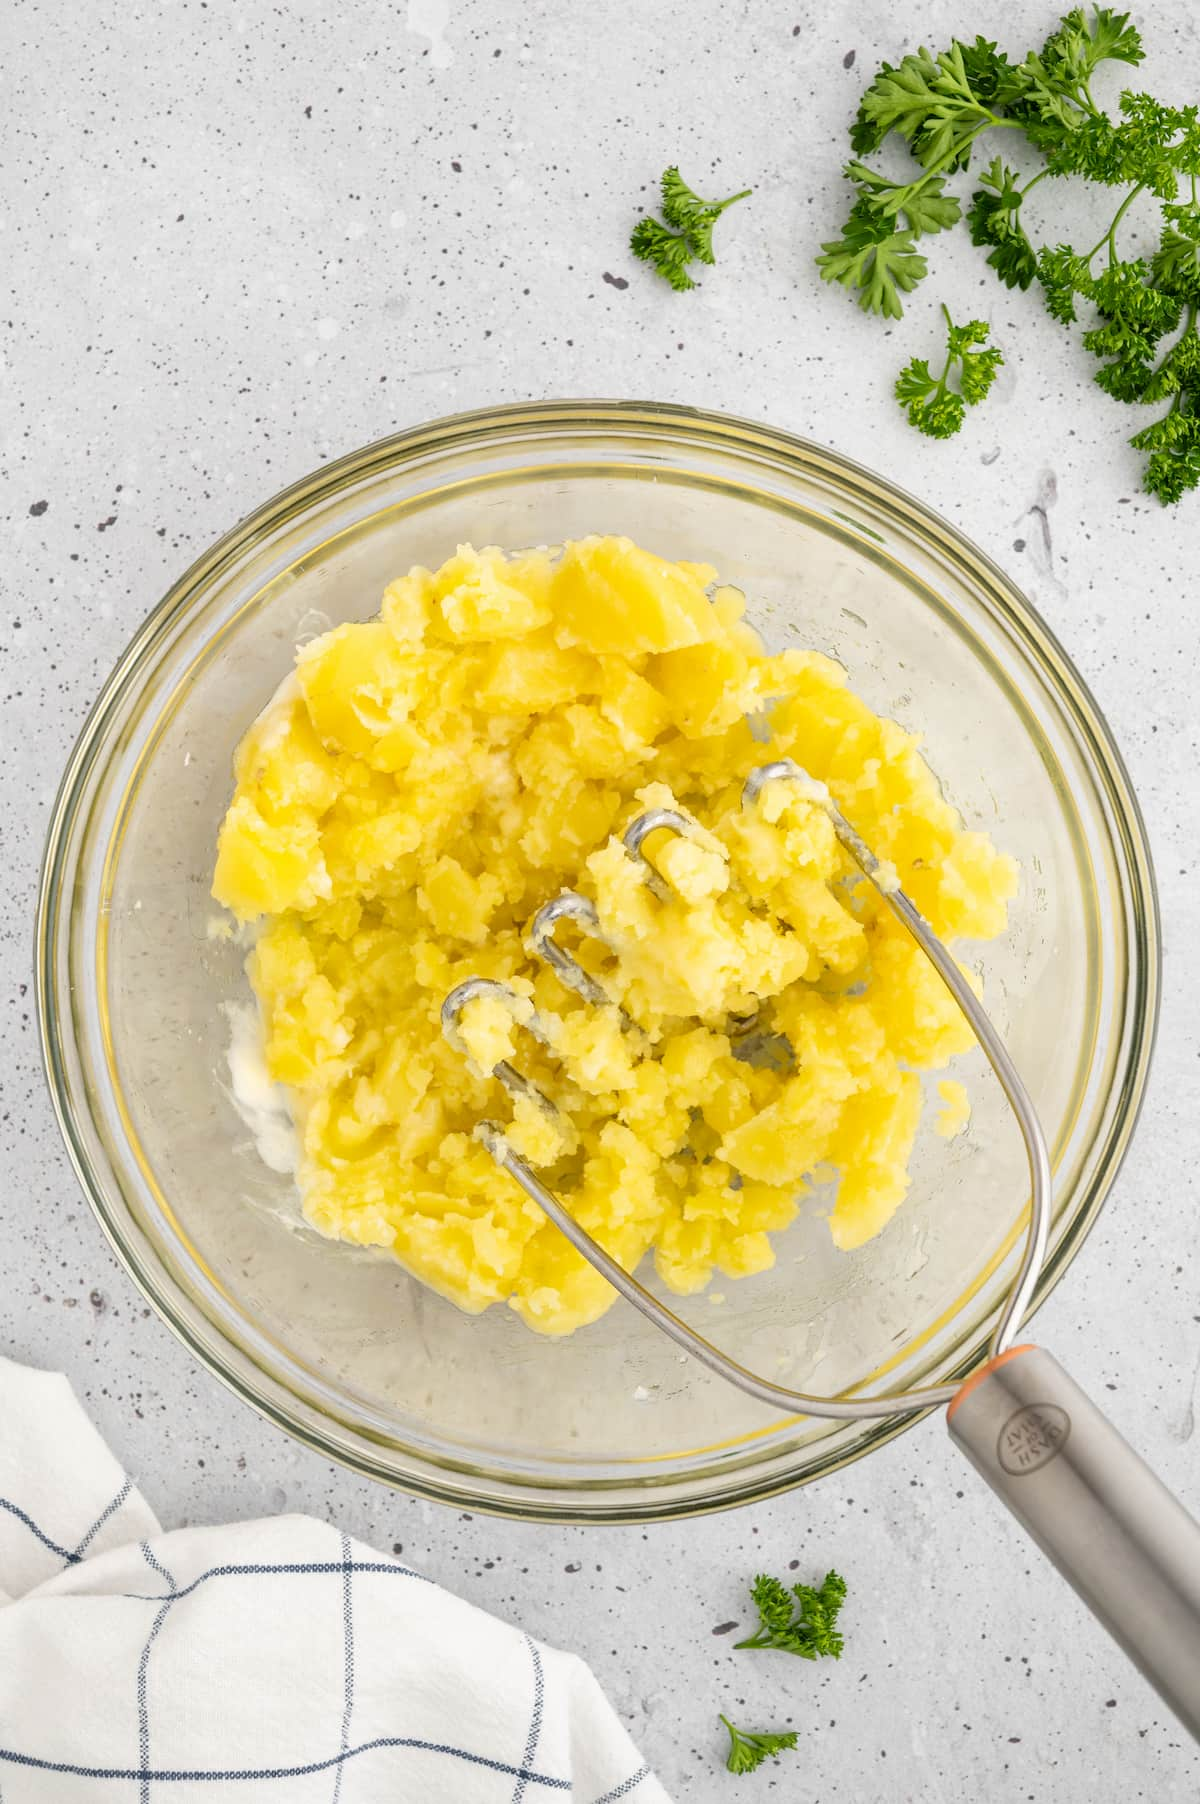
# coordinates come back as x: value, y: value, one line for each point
x: 341, y: 1347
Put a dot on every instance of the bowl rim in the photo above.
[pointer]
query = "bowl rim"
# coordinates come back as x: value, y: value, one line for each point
x: 302, y: 1420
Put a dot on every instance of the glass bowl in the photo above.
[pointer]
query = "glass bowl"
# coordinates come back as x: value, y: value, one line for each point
x: 340, y: 1346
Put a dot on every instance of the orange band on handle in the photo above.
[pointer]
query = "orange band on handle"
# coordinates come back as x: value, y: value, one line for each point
x: 985, y: 1371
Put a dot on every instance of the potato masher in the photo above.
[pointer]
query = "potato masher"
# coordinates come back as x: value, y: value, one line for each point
x: 1114, y: 1531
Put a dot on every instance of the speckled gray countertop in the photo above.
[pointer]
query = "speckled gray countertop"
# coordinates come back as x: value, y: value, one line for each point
x: 237, y: 240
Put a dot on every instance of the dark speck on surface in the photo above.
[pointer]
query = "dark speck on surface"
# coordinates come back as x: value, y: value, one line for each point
x: 308, y: 112
x: 39, y: 507
x: 616, y: 281
x: 723, y: 1628
x: 848, y: 60
x: 457, y: 168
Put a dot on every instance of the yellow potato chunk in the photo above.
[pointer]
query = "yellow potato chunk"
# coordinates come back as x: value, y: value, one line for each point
x: 426, y: 780
x: 706, y: 687
x: 265, y: 866
x: 479, y: 597
x: 611, y: 596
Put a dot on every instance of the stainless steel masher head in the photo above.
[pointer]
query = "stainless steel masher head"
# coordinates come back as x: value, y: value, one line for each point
x: 1112, y: 1528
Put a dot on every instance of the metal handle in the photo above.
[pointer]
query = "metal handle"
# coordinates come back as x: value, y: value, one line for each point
x: 1112, y: 1528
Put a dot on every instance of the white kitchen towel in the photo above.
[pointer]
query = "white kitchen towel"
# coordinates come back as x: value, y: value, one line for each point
x: 273, y: 1662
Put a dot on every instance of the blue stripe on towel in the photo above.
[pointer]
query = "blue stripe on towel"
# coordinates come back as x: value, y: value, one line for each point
x: 64, y: 1553
x: 348, y: 1660
x: 201, y: 1775
x: 535, y: 1720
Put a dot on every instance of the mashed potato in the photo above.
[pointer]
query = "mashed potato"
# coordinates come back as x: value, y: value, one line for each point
x: 434, y: 775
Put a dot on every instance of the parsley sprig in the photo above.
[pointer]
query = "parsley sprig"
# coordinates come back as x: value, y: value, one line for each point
x: 932, y: 405
x: 1140, y: 313
x: 800, y: 1620
x: 686, y: 237
x: 748, y: 1748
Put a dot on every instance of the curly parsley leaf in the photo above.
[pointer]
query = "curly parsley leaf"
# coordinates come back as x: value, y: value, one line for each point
x: 1175, y: 266
x: 1049, y: 94
x: 994, y: 218
x: 687, y: 235
x: 683, y: 209
x: 1064, y: 276
x: 802, y: 1620
x: 1135, y: 316
x: 924, y: 203
x: 668, y: 252
x: 866, y: 133
x: 988, y: 70
x: 930, y: 103
x: 1077, y: 48
x: 748, y: 1748
x: 1174, y: 440
x: 1171, y: 472
x: 1143, y: 146
x: 875, y: 259
x: 933, y: 406
x: 1178, y: 373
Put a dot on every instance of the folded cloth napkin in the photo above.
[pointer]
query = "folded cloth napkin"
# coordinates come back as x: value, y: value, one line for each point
x: 274, y: 1662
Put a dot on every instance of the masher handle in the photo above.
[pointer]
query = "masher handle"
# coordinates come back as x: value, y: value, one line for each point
x: 1092, y: 1504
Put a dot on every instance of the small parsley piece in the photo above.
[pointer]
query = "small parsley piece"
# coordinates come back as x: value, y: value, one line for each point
x: 748, y: 1748
x: 687, y: 235
x: 932, y: 406
x: 802, y: 1620
x: 695, y: 218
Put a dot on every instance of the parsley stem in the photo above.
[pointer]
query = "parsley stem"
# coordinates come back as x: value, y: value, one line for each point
x: 1110, y: 237
x: 992, y: 121
x: 1022, y: 192
x: 945, y: 375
